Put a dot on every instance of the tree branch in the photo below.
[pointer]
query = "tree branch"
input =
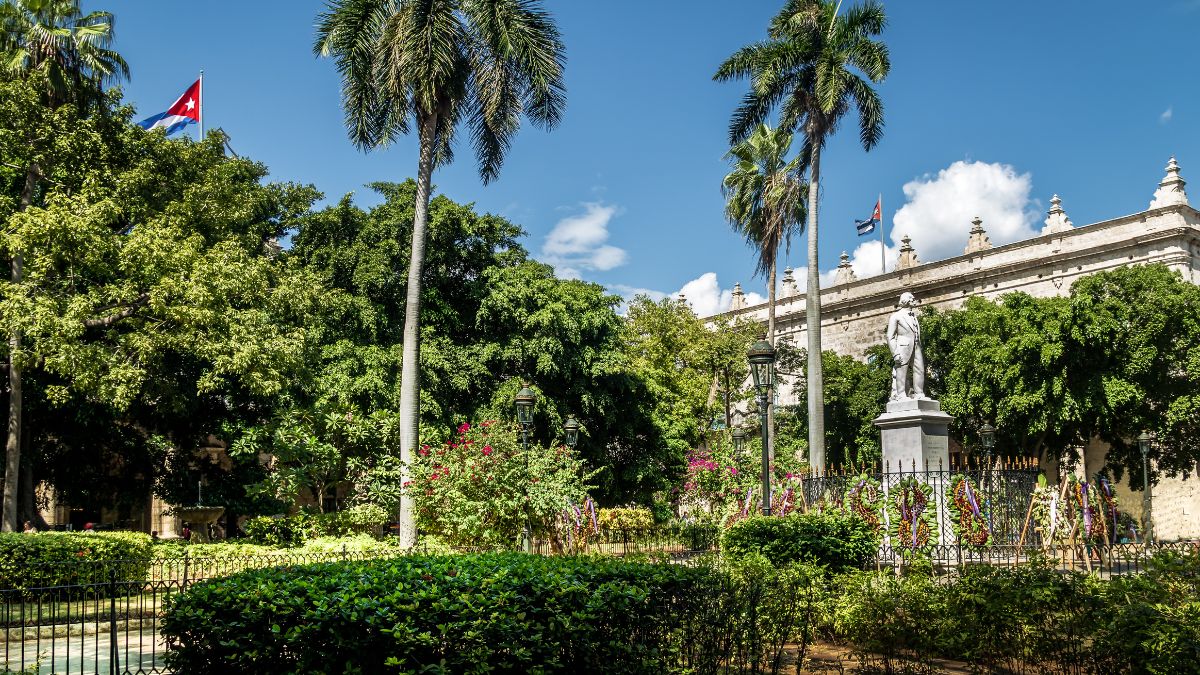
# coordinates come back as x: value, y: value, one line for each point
x: 129, y: 309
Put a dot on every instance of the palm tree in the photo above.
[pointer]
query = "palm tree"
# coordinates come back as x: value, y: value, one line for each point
x: 69, y: 50
x: 808, y: 70
x: 431, y: 64
x: 765, y: 202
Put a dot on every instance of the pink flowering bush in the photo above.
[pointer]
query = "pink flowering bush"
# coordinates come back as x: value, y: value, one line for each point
x: 475, y: 489
x: 722, y: 486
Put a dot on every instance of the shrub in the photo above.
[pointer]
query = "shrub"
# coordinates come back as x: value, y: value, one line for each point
x: 896, y: 620
x: 275, y: 532
x: 478, y: 488
x: 29, y: 561
x: 1152, y: 621
x: 477, y: 613
x: 292, y: 531
x: 833, y: 539
x: 626, y: 518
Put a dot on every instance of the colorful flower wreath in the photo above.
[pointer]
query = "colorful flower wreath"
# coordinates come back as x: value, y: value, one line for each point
x: 969, y: 510
x: 864, y: 498
x: 912, y: 509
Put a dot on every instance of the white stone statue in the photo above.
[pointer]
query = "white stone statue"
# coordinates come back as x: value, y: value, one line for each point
x: 904, y: 339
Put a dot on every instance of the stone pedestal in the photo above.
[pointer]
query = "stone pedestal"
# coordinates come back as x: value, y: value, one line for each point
x: 915, y: 435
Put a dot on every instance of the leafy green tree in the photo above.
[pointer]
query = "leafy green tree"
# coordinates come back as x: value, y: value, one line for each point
x: 1007, y: 363
x: 809, y: 70
x: 1135, y: 358
x: 856, y: 392
x: 150, y: 305
x: 686, y: 365
x: 66, y: 54
x: 1119, y: 355
x: 493, y: 318
x: 434, y: 65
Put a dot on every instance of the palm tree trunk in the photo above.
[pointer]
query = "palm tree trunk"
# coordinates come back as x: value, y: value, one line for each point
x: 771, y: 340
x: 812, y: 297
x: 410, y: 370
x: 12, y: 449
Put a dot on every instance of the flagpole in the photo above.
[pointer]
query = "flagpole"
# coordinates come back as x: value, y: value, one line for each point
x: 882, y: 246
x: 201, y: 104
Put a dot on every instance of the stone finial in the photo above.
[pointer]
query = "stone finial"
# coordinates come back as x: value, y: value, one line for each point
x: 908, y: 254
x: 789, y: 284
x: 845, y: 273
x: 739, y: 298
x: 978, y: 241
x: 1170, y: 190
x: 1056, y: 218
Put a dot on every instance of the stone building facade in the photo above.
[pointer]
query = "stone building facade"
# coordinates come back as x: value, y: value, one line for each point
x: 855, y: 311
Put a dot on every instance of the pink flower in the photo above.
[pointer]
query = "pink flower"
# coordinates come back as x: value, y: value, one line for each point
x: 732, y: 471
x: 424, y: 452
x: 487, y: 450
x: 434, y: 476
x: 464, y: 428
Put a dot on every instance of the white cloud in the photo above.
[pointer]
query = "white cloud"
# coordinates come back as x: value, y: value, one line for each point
x: 1166, y: 115
x: 940, y: 209
x: 578, y: 243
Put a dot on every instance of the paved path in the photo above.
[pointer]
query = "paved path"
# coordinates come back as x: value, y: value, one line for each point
x: 89, y: 654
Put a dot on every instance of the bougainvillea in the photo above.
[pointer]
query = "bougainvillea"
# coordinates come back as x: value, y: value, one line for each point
x: 968, y: 511
x: 477, y: 489
x: 913, y: 526
x: 724, y: 486
x: 864, y: 498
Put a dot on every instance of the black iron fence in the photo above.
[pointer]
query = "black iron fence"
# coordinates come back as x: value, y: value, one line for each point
x: 1003, y: 491
x: 103, y: 616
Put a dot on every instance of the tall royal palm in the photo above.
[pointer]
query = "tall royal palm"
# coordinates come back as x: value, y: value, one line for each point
x: 815, y: 65
x: 430, y: 65
x: 70, y: 51
x: 764, y: 201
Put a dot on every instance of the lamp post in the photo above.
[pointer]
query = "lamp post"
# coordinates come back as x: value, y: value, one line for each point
x: 739, y: 440
x: 571, y: 429
x: 987, y: 438
x: 1144, y: 440
x: 525, y: 401
x: 762, y: 366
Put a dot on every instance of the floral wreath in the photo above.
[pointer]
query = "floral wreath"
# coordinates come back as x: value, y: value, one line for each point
x: 913, y: 524
x: 1050, y: 515
x: 970, y: 518
x: 864, y: 498
x: 1093, y: 523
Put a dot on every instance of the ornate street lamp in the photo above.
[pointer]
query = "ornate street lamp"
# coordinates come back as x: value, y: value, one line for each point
x: 739, y: 440
x: 1145, y: 440
x: 762, y: 366
x: 525, y: 401
x: 571, y: 431
x: 987, y: 438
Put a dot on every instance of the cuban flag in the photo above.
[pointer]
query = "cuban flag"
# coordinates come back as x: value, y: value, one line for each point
x: 868, y: 226
x: 184, y: 111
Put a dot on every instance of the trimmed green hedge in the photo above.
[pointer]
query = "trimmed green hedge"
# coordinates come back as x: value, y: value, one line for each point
x: 29, y: 561
x: 292, y: 531
x: 834, y: 539
x: 475, y: 613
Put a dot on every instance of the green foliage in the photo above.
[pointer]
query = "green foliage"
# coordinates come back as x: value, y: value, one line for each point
x: 292, y: 531
x: 478, y: 488
x: 1027, y: 618
x: 511, y: 613
x: 63, y: 558
x: 1119, y: 355
x: 693, y: 372
x: 835, y: 540
x: 626, y: 518
x: 856, y: 393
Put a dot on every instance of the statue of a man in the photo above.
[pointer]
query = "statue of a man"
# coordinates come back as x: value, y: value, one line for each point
x: 904, y: 339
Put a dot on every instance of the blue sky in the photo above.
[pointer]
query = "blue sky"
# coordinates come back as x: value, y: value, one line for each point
x: 991, y: 108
